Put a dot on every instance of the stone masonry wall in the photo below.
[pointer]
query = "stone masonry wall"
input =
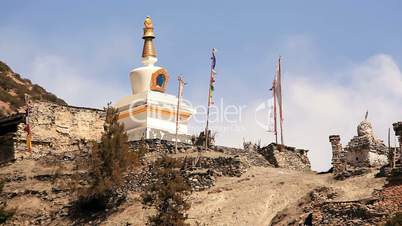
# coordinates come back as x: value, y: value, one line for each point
x: 6, y: 148
x: 56, y: 128
x: 338, y: 155
x: 286, y: 157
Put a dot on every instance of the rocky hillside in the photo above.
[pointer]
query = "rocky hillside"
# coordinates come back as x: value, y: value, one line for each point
x: 229, y: 187
x: 13, y: 89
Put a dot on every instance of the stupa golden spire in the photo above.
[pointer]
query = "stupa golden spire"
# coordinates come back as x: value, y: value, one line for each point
x: 149, y: 48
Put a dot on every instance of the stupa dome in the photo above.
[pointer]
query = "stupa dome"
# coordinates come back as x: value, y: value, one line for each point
x: 365, y: 128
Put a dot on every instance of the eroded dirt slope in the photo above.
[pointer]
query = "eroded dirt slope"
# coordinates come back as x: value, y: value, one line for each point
x: 254, y: 198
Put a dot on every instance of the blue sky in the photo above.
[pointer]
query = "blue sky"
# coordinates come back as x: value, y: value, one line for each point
x: 339, y: 57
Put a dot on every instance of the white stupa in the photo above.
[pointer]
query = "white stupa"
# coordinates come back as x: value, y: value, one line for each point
x: 150, y: 113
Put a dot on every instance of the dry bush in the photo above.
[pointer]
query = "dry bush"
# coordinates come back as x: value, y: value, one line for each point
x: 395, y: 220
x: 5, y: 214
x: 167, y: 193
x: 200, y: 139
x: 249, y: 145
x: 2, y: 183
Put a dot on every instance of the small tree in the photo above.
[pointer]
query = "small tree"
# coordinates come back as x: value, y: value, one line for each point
x: 167, y: 192
x: 110, y: 159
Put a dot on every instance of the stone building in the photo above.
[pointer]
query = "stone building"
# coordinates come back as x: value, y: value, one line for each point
x: 55, y: 129
x: 363, y: 150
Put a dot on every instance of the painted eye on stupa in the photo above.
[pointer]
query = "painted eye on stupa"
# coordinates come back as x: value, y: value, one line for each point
x: 160, y: 80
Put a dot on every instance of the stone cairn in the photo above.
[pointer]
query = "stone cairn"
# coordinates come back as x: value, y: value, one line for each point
x: 338, y: 155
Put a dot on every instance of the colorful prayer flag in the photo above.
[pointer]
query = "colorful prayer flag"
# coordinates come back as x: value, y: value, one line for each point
x: 28, y: 130
x: 213, y: 76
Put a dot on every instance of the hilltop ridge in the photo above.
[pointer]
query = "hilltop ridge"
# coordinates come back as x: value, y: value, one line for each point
x: 13, y: 88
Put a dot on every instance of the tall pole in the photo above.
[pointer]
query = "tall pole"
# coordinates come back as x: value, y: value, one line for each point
x: 280, y: 96
x: 211, y: 82
x: 391, y: 155
x: 179, y: 94
x: 209, y: 104
x: 275, y: 123
x: 389, y: 138
x: 28, y: 125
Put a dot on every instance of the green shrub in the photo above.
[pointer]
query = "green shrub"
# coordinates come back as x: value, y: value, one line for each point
x: 109, y: 161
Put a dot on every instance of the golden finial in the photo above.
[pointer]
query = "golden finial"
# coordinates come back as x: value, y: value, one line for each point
x: 148, y: 22
x: 149, y: 49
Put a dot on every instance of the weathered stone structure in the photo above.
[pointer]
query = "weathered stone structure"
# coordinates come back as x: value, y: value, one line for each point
x: 363, y: 150
x: 338, y: 154
x: 286, y: 157
x: 55, y: 129
x: 398, y: 132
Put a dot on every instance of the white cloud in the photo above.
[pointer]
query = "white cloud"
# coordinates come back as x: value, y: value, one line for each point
x: 75, y: 72
x: 316, y: 108
x: 61, y: 77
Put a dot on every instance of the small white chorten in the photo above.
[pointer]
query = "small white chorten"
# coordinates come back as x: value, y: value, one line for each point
x: 149, y: 112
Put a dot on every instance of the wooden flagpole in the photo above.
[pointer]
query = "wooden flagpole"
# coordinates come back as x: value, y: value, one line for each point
x: 211, y: 81
x: 280, y: 100
x: 389, y: 138
x: 27, y: 124
x: 209, y: 104
x: 275, y: 123
x: 179, y: 94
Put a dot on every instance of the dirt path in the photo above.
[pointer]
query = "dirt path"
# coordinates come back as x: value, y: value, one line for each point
x: 259, y: 194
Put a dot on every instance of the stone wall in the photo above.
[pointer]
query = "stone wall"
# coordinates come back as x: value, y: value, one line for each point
x: 366, y: 151
x: 159, y: 145
x: 8, y: 127
x: 286, y: 157
x: 56, y: 129
x: 338, y: 154
x: 6, y: 148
